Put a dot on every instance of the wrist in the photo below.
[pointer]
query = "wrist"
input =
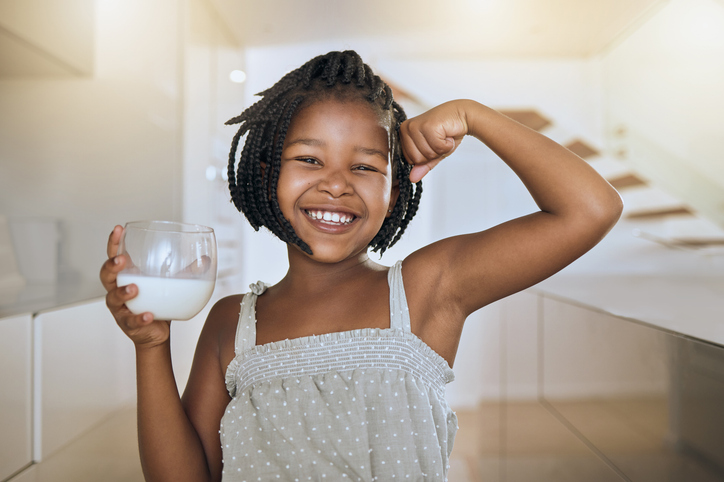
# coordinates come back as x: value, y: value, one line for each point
x: 153, y: 348
x: 471, y: 112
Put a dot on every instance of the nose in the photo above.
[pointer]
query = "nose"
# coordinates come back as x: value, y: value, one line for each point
x: 335, y: 182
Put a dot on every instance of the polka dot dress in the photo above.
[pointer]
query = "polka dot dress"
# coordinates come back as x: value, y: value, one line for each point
x: 361, y: 405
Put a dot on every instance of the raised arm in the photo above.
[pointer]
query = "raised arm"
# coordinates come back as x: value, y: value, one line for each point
x: 577, y: 208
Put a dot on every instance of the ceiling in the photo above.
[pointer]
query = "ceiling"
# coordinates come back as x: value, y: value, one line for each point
x: 525, y: 28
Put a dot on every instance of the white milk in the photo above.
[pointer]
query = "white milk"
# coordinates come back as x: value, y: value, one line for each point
x: 167, y: 298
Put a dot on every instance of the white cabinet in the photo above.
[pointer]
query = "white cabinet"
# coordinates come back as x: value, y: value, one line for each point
x: 15, y: 394
x: 84, y: 371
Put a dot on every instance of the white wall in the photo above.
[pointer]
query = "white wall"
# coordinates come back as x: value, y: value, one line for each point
x: 124, y: 143
x: 103, y: 149
x: 41, y: 37
x: 665, y: 81
x: 210, y: 99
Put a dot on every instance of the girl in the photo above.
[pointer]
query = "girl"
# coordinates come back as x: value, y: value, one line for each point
x: 338, y: 371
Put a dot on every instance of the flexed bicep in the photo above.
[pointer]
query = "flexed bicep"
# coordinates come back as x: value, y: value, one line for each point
x: 577, y: 208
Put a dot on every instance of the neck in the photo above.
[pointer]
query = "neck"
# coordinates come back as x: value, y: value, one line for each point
x: 308, y: 275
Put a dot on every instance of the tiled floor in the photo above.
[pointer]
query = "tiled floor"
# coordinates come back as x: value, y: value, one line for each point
x: 592, y: 441
x: 108, y: 453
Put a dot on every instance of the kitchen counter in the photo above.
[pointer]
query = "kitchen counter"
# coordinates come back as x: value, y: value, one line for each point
x: 34, y: 298
x: 691, y: 306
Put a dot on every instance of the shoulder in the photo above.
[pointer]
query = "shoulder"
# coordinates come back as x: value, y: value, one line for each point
x: 428, y: 278
x: 228, y: 304
x: 424, y: 270
x: 222, y: 319
x: 217, y: 336
x: 224, y: 310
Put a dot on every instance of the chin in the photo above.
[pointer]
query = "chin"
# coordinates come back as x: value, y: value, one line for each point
x: 331, y: 256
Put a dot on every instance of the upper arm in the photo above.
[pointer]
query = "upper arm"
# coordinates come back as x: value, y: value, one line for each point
x: 473, y: 270
x: 205, y: 397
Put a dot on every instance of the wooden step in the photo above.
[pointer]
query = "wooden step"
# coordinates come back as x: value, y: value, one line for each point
x: 697, y: 243
x: 581, y: 149
x: 627, y: 180
x: 402, y: 95
x: 528, y: 117
x: 660, y: 213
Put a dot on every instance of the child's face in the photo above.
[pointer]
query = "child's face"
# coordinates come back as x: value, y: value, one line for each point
x: 335, y: 183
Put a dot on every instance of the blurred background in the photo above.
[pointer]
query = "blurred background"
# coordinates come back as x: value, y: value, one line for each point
x: 613, y: 369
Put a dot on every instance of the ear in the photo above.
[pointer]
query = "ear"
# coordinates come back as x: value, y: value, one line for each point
x: 393, y: 197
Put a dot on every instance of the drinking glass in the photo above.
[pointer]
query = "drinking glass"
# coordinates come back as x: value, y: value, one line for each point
x: 172, y: 264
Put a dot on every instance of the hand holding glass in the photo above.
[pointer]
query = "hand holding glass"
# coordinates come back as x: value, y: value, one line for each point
x: 172, y: 264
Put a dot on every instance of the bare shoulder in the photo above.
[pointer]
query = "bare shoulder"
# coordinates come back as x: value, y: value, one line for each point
x: 224, y: 308
x: 215, y: 348
x: 220, y: 327
x: 427, y: 274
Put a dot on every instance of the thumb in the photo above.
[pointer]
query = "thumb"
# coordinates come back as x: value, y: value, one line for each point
x: 421, y: 170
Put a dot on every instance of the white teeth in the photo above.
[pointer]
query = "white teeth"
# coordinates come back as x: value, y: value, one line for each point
x: 331, y: 217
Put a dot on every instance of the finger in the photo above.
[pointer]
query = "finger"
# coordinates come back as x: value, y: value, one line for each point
x: 134, y: 322
x: 114, y: 240
x: 408, y: 147
x: 440, y: 144
x: 411, y: 148
x: 422, y: 140
x: 117, y: 298
x: 109, y: 271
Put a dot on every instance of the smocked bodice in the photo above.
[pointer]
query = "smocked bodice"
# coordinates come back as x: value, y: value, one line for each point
x: 366, y: 404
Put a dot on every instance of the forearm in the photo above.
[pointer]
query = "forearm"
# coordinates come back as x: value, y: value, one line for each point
x: 560, y: 182
x: 169, y: 445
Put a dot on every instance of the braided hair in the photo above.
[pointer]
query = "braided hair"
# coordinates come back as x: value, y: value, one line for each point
x: 253, y: 182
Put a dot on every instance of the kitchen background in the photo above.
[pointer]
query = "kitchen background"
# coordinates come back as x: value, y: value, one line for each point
x: 112, y: 111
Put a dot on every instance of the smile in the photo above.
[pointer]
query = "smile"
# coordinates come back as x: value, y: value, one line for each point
x: 330, y: 217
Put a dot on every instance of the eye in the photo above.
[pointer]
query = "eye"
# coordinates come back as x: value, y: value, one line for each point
x: 365, y: 168
x: 308, y: 160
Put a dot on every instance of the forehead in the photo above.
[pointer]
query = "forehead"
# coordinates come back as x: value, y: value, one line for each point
x: 337, y: 120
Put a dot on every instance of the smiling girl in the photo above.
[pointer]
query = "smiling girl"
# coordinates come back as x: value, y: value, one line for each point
x: 338, y: 371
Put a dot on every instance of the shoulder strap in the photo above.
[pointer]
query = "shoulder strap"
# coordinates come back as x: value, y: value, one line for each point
x: 399, y: 312
x: 246, y: 328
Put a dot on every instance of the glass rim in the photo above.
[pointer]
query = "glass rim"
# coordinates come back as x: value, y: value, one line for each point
x: 148, y: 226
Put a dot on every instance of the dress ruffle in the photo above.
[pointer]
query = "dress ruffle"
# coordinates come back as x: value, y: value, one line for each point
x: 331, y: 338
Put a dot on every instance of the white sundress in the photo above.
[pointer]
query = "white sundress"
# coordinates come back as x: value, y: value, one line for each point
x: 364, y: 405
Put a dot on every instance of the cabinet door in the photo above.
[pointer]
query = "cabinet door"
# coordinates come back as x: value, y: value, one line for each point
x: 15, y: 394
x: 84, y: 369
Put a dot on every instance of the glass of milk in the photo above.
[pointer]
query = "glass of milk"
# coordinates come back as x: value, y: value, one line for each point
x: 172, y: 264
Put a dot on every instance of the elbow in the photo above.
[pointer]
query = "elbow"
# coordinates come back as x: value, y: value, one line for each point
x: 606, y: 209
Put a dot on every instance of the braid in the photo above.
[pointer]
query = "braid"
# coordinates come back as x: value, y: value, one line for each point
x: 253, y: 178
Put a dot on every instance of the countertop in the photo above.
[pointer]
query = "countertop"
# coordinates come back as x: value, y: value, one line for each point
x: 692, y: 306
x: 34, y: 298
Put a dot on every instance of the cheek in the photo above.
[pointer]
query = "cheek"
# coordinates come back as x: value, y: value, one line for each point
x: 378, y: 193
x: 287, y: 185
x: 291, y: 187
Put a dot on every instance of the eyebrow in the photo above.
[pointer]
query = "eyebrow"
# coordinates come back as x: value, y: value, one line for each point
x: 318, y: 142
x: 307, y: 142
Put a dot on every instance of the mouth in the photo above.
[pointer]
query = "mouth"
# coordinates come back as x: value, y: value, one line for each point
x: 332, y: 218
